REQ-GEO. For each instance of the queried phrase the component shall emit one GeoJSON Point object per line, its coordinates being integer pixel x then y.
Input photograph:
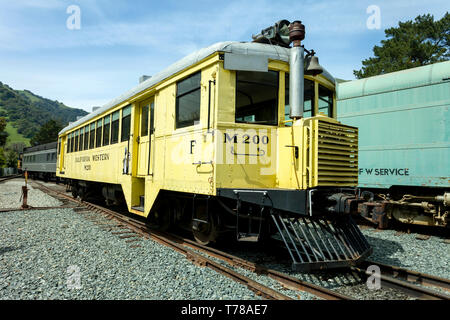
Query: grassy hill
{"type": "Point", "coordinates": [26, 112]}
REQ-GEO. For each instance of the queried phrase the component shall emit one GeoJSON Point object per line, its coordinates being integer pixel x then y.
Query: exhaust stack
{"type": "Point", "coordinates": [296, 78]}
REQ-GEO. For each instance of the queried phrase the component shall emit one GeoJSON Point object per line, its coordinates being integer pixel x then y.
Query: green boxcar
{"type": "Point", "coordinates": [403, 121]}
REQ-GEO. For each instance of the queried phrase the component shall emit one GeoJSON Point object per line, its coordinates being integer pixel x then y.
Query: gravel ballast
{"type": "Point", "coordinates": [61, 254]}
{"type": "Point", "coordinates": [58, 254]}
{"type": "Point", "coordinates": [404, 250]}
{"type": "Point", "coordinates": [11, 192]}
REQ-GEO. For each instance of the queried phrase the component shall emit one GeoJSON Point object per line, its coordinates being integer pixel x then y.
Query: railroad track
{"type": "Point", "coordinates": [407, 281]}
{"type": "Point", "coordinates": [3, 179]}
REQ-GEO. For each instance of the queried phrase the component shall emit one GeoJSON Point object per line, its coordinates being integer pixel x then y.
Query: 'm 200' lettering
{"type": "Point", "coordinates": [246, 139]}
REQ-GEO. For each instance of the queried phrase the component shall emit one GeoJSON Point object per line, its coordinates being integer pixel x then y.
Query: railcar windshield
{"type": "Point", "coordinates": [257, 97]}
{"type": "Point", "coordinates": [326, 101]}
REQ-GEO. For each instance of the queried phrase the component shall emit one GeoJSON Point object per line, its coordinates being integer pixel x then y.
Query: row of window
{"type": "Point", "coordinates": [40, 158]}
{"type": "Point", "coordinates": [101, 133]}
{"type": "Point", "coordinates": [256, 99]}
{"type": "Point", "coordinates": [256, 103]}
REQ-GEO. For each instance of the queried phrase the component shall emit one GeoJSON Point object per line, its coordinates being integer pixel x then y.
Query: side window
{"type": "Point", "coordinates": [71, 141]}
{"type": "Point", "coordinates": [144, 121]}
{"type": "Point", "coordinates": [257, 97]}
{"type": "Point", "coordinates": [86, 137]}
{"type": "Point", "coordinates": [68, 142]}
{"type": "Point", "coordinates": [308, 109]}
{"type": "Point", "coordinates": [76, 141]}
{"type": "Point", "coordinates": [126, 124]}
{"type": "Point", "coordinates": [106, 127]}
{"type": "Point", "coordinates": [59, 146]}
{"type": "Point", "coordinates": [92, 136]}
{"type": "Point", "coordinates": [98, 134]}
{"type": "Point", "coordinates": [115, 127]}
{"type": "Point", "coordinates": [81, 143]}
{"type": "Point", "coordinates": [326, 101]}
{"type": "Point", "coordinates": [187, 111]}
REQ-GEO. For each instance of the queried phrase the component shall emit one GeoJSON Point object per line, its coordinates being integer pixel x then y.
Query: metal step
{"type": "Point", "coordinates": [141, 206]}
{"type": "Point", "coordinates": [315, 243]}
{"type": "Point", "coordinates": [248, 237]}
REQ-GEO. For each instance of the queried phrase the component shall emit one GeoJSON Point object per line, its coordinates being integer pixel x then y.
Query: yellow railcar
{"type": "Point", "coordinates": [214, 143]}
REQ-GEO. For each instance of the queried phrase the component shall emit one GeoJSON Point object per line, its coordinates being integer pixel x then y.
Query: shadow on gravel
{"type": "Point", "coordinates": [4, 250]}
{"type": "Point", "coordinates": [385, 249]}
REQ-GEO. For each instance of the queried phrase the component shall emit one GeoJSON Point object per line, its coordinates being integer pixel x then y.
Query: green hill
{"type": "Point", "coordinates": [26, 112]}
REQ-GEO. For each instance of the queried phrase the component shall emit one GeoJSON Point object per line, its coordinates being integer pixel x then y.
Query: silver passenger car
{"type": "Point", "coordinates": [40, 161]}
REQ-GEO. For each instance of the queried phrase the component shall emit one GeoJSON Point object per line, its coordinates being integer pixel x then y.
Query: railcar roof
{"type": "Point", "coordinates": [246, 48]}
{"type": "Point", "coordinates": [410, 78]}
{"type": "Point", "coordinates": [47, 146]}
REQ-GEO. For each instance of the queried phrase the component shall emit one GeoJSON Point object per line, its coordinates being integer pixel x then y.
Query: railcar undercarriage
{"type": "Point", "coordinates": [318, 241]}
{"type": "Point", "coordinates": [406, 205]}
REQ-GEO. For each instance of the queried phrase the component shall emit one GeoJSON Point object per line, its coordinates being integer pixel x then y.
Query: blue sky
{"type": "Point", "coordinates": [121, 40]}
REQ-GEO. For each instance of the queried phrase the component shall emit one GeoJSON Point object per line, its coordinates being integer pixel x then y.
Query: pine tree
{"type": "Point", "coordinates": [411, 44]}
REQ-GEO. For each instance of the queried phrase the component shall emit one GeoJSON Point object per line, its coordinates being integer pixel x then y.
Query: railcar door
{"type": "Point", "coordinates": [61, 154]}
{"type": "Point", "coordinates": [146, 126]}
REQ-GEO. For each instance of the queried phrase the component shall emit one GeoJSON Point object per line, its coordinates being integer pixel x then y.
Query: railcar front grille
{"type": "Point", "coordinates": [337, 155]}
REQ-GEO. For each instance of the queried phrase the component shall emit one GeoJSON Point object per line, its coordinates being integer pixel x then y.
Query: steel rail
{"type": "Point", "coordinates": [405, 286]}
{"type": "Point", "coordinates": [284, 279]}
{"type": "Point", "coordinates": [6, 178]}
{"type": "Point", "coordinates": [411, 276]}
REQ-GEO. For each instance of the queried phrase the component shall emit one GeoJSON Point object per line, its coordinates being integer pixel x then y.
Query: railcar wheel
{"type": "Point", "coordinates": [74, 192]}
{"type": "Point", "coordinates": [160, 217]}
{"type": "Point", "coordinates": [204, 233]}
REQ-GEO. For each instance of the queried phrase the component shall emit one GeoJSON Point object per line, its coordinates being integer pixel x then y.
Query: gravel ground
{"type": "Point", "coordinates": [42, 251]}
{"type": "Point", "coordinates": [403, 250]}
{"type": "Point", "coordinates": [58, 254]}
{"type": "Point", "coordinates": [11, 191]}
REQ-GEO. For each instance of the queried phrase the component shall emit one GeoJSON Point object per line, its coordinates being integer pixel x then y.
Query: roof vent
{"type": "Point", "coordinates": [143, 78]}
{"type": "Point", "coordinates": [95, 109]}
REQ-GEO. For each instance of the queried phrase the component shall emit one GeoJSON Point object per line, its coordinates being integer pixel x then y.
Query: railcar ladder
{"type": "Point", "coordinates": [315, 243]}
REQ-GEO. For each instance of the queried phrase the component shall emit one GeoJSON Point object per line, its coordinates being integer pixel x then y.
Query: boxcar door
{"type": "Point", "coordinates": [144, 138]}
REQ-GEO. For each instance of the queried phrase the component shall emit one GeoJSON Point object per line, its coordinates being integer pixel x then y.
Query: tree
{"type": "Point", "coordinates": [11, 159]}
{"type": "Point", "coordinates": [48, 133]}
{"type": "Point", "coordinates": [411, 44]}
{"type": "Point", "coordinates": [2, 159]}
{"type": "Point", "coordinates": [3, 133]}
